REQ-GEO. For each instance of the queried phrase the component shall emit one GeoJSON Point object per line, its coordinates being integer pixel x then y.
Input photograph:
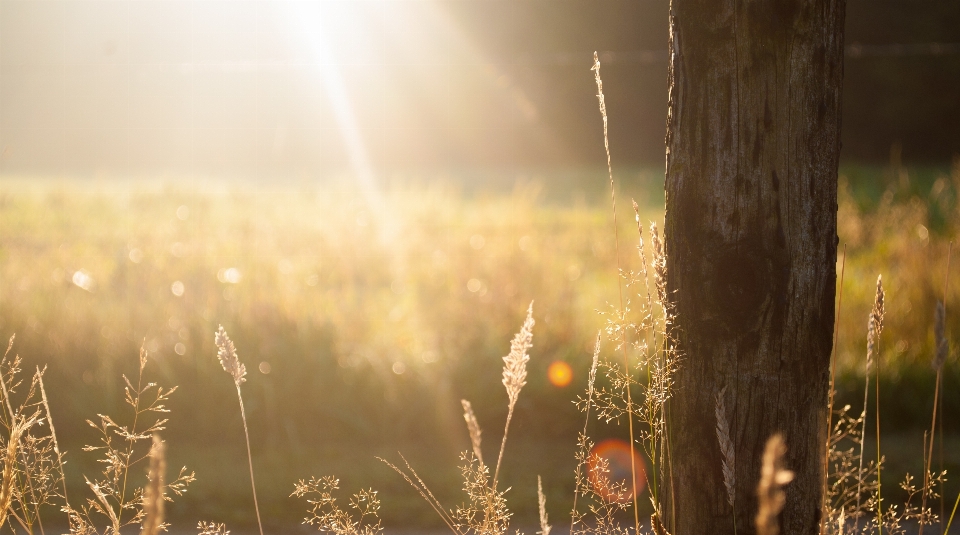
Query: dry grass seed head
{"type": "Point", "coordinates": [773, 476]}
{"type": "Point", "coordinates": [592, 376]}
{"type": "Point", "coordinates": [227, 354]}
{"type": "Point", "coordinates": [515, 364]}
{"type": "Point", "coordinates": [473, 427]}
{"type": "Point", "coordinates": [878, 309]}
{"type": "Point", "coordinates": [726, 448]}
{"type": "Point", "coordinates": [542, 503]}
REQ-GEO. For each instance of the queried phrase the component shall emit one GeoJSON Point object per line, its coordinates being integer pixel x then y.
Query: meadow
{"type": "Point", "coordinates": [364, 315]}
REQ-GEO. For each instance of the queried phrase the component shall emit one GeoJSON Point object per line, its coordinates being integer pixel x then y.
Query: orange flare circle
{"type": "Point", "coordinates": [613, 482]}
{"type": "Point", "coordinates": [559, 373]}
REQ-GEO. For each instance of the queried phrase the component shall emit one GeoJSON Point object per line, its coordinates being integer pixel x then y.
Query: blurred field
{"type": "Point", "coordinates": [365, 315]}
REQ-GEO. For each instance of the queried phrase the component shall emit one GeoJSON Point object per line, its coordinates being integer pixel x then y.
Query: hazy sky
{"type": "Point", "coordinates": [302, 88]}
{"type": "Point", "coordinates": [263, 86]}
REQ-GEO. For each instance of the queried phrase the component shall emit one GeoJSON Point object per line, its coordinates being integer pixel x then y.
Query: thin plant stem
{"type": "Point", "coordinates": [503, 444]}
{"type": "Point", "coordinates": [53, 434]}
{"type": "Point", "coordinates": [586, 422]}
{"type": "Point", "coordinates": [879, 495]}
{"type": "Point", "coordinates": [863, 434]}
{"type": "Point", "coordinates": [946, 283]}
{"type": "Point", "coordinates": [928, 456]}
{"type": "Point", "coordinates": [623, 336]}
{"type": "Point", "coordinates": [833, 382]}
{"type": "Point", "coordinates": [952, 514]}
{"type": "Point", "coordinates": [941, 461]}
{"type": "Point", "coordinates": [253, 485]}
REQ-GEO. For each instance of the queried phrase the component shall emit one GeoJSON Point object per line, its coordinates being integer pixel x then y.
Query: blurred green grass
{"type": "Point", "coordinates": [363, 317]}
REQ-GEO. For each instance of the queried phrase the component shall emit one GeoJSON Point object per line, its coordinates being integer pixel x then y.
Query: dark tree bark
{"type": "Point", "coordinates": [753, 140]}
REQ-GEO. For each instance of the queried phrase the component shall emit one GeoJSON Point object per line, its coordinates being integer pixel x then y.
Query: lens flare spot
{"type": "Point", "coordinates": [559, 373]}
{"type": "Point", "coordinates": [609, 471]}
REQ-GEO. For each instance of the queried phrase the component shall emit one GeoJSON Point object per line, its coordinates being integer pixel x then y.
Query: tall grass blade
{"type": "Point", "coordinates": [616, 230]}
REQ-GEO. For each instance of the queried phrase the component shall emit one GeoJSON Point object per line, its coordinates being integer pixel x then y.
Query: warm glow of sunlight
{"type": "Point", "coordinates": [615, 484]}
{"type": "Point", "coordinates": [559, 373]}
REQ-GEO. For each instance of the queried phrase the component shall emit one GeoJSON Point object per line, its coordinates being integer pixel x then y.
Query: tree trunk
{"type": "Point", "coordinates": [753, 141]}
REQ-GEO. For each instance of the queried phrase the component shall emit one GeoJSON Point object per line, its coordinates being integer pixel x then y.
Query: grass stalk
{"type": "Point", "coordinates": [227, 354]}
{"type": "Point", "coordinates": [53, 434]}
{"type": "Point", "coordinates": [591, 377]}
{"type": "Point", "coordinates": [952, 514]}
{"type": "Point", "coordinates": [623, 341]}
{"type": "Point", "coordinates": [253, 484]}
{"type": "Point", "coordinates": [832, 393]}
{"type": "Point", "coordinates": [878, 319]}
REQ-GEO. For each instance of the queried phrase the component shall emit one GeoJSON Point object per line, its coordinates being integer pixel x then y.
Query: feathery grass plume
{"type": "Point", "coordinates": [153, 495]}
{"type": "Point", "coordinates": [876, 327]}
{"type": "Point", "coordinates": [582, 451]}
{"type": "Point", "coordinates": [592, 375]}
{"type": "Point", "coordinates": [113, 498]}
{"type": "Point", "coordinates": [727, 450]}
{"type": "Point", "coordinates": [211, 528]}
{"type": "Point", "coordinates": [622, 310]}
{"type": "Point", "coordinates": [227, 354]}
{"type": "Point", "coordinates": [878, 309]}
{"type": "Point", "coordinates": [659, 266]}
{"type": "Point", "coordinates": [542, 504]}
{"type": "Point", "coordinates": [770, 495]}
{"type": "Point", "coordinates": [515, 377]}
{"type": "Point", "coordinates": [473, 427]}
{"type": "Point", "coordinates": [327, 516]}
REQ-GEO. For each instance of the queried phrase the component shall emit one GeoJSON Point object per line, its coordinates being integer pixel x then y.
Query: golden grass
{"type": "Point", "coordinates": [456, 271]}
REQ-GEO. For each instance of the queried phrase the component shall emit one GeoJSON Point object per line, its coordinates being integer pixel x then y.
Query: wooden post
{"type": "Point", "coordinates": [753, 144]}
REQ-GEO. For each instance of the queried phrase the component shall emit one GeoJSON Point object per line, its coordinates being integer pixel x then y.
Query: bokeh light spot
{"type": "Point", "coordinates": [559, 373]}
{"type": "Point", "coordinates": [613, 484]}
{"type": "Point", "coordinates": [265, 367]}
{"type": "Point", "coordinates": [230, 275]}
